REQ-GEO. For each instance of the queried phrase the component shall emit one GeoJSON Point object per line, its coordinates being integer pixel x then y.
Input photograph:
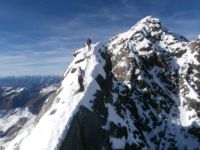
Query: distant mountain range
{"type": "Point", "coordinates": [29, 81]}
{"type": "Point", "coordinates": [21, 98]}
{"type": "Point", "coordinates": [31, 91]}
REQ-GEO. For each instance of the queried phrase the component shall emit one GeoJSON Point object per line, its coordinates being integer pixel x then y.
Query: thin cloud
{"type": "Point", "coordinates": [42, 38]}
{"type": "Point", "coordinates": [184, 24]}
{"type": "Point", "coordinates": [25, 63]}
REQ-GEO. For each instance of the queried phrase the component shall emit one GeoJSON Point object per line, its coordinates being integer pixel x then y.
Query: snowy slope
{"type": "Point", "coordinates": [58, 117]}
{"type": "Point", "coordinates": [55, 121]}
{"type": "Point", "coordinates": [139, 91]}
{"type": "Point", "coordinates": [11, 123]}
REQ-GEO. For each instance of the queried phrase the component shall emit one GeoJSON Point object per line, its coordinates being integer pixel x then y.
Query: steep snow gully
{"type": "Point", "coordinates": [139, 91]}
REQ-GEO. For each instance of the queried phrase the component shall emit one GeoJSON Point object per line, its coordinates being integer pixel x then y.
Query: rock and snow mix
{"type": "Point", "coordinates": [12, 121]}
{"type": "Point", "coordinates": [140, 91]}
{"type": "Point", "coordinates": [164, 60]}
{"type": "Point", "coordinates": [11, 90]}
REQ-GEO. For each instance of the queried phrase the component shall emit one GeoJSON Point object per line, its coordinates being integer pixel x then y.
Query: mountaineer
{"type": "Point", "coordinates": [81, 75]}
{"type": "Point", "coordinates": [88, 43]}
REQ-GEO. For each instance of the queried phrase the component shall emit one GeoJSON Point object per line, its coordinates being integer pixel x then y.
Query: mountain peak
{"type": "Point", "coordinates": [150, 19]}
{"type": "Point", "coordinates": [147, 28]}
{"type": "Point", "coordinates": [149, 24]}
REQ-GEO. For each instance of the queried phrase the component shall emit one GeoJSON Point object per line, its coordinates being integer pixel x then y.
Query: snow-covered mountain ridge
{"type": "Point", "coordinates": [139, 91]}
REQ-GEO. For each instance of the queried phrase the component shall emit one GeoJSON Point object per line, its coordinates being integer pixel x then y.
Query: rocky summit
{"type": "Point", "coordinates": [141, 90]}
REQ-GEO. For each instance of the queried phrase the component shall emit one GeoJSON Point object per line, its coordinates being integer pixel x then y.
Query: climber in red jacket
{"type": "Point", "coordinates": [88, 43]}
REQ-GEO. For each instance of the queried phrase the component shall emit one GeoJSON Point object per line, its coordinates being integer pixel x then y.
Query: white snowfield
{"type": "Point", "coordinates": [18, 117]}
{"type": "Point", "coordinates": [11, 90]}
{"type": "Point", "coordinates": [49, 132]}
{"type": "Point", "coordinates": [12, 117]}
{"type": "Point", "coordinates": [48, 89]}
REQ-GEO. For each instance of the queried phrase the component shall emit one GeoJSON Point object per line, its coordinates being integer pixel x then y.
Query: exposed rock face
{"type": "Point", "coordinates": [85, 132]}
{"type": "Point", "coordinates": [158, 71]}
{"type": "Point", "coordinates": [140, 91]}
{"type": "Point", "coordinates": [159, 80]}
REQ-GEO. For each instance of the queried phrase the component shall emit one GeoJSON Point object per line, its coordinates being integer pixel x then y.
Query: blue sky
{"type": "Point", "coordinates": [38, 37]}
